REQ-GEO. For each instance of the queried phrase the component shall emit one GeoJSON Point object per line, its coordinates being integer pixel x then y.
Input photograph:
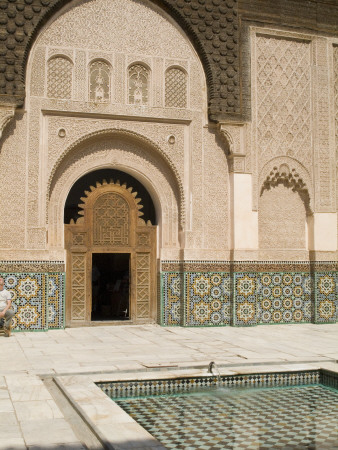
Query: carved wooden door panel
{"type": "Point", "coordinates": [111, 223]}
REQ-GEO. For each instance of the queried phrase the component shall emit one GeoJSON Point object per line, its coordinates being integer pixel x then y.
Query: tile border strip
{"type": "Point", "coordinates": [136, 388]}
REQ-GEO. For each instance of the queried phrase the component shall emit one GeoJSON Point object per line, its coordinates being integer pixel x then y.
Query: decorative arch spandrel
{"type": "Point", "coordinates": [126, 151]}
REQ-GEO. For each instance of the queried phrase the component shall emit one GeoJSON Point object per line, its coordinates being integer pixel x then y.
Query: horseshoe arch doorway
{"type": "Point", "coordinates": [110, 240]}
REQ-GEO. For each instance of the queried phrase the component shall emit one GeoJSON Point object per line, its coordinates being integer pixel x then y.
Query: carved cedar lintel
{"type": "Point", "coordinates": [233, 136]}
{"type": "Point", "coordinates": [6, 114]}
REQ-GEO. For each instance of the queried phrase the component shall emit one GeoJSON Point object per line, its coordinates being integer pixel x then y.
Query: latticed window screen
{"type": "Point", "coordinates": [138, 84]}
{"type": "Point", "coordinates": [99, 82]}
{"type": "Point", "coordinates": [59, 78]}
{"type": "Point", "coordinates": [175, 88]}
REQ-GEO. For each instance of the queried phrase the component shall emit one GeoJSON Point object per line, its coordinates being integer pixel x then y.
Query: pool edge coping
{"type": "Point", "coordinates": [114, 428]}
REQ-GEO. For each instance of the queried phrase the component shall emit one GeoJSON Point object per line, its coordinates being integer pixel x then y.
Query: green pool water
{"type": "Point", "coordinates": [289, 417]}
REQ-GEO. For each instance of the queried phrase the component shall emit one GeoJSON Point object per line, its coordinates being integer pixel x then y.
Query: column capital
{"type": "Point", "coordinates": [233, 136]}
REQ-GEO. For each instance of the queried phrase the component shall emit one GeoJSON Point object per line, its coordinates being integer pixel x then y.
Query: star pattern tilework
{"type": "Point", "coordinates": [245, 298]}
{"type": "Point", "coordinates": [37, 300]}
{"type": "Point", "coordinates": [28, 291]}
{"type": "Point", "coordinates": [207, 299]}
{"type": "Point", "coordinates": [327, 297]}
{"type": "Point", "coordinates": [56, 302]}
{"type": "Point", "coordinates": [171, 300]}
{"type": "Point", "coordinates": [248, 298]}
{"type": "Point", "coordinates": [284, 298]}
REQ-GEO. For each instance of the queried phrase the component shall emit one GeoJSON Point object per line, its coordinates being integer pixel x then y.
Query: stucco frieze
{"type": "Point", "coordinates": [211, 25]}
{"type": "Point", "coordinates": [121, 153]}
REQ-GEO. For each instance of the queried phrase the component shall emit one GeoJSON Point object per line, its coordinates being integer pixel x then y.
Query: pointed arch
{"type": "Point", "coordinates": [133, 137]}
{"type": "Point", "coordinates": [128, 152]}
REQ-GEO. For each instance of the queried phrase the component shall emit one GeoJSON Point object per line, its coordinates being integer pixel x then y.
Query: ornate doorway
{"type": "Point", "coordinates": [111, 223]}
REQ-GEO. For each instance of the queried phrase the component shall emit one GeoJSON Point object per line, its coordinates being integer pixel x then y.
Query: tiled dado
{"type": "Point", "coordinates": [37, 299]}
{"type": "Point", "coordinates": [137, 388]}
{"type": "Point", "coordinates": [244, 298]}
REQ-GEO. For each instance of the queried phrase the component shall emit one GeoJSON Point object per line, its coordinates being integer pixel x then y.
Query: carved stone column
{"type": "Point", "coordinates": [233, 135]}
{"type": "Point", "coordinates": [6, 115]}
{"type": "Point", "coordinates": [244, 221]}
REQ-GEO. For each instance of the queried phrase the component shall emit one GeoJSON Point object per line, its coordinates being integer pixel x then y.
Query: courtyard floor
{"type": "Point", "coordinates": [33, 415]}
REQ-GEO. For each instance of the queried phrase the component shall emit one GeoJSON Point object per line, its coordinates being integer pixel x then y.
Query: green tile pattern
{"type": "Point", "coordinates": [246, 298]}
{"type": "Point", "coordinates": [267, 418]}
{"type": "Point", "coordinates": [38, 300]}
{"type": "Point", "coordinates": [137, 388]}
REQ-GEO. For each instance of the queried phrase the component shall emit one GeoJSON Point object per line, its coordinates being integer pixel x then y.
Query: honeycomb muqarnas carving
{"type": "Point", "coordinates": [212, 26]}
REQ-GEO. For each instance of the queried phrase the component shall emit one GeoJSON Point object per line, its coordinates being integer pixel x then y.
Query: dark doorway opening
{"type": "Point", "coordinates": [83, 184]}
{"type": "Point", "coordinates": [110, 286]}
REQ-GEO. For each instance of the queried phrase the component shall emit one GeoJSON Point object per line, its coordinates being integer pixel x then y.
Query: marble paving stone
{"type": "Point", "coordinates": [34, 410]}
{"type": "Point", "coordinates": [47, 432]}
{"type": "Point", "coordinates": [4, 393]}
{"type": "Point", "coordinates": [10, 432]}
{"type": "Point", "coordinates": [68, 446]}
{"type": "Point", "coordinates": [15, 443]}
{"type": "Point", "coordinates": [6, 405]}
{"type": "Point", "coordinates": [7, 418]}
{"type": "Point", "coordinates": [29, 393]}
{"type": "Point", "coordinates": [14, 382]}
{"type": "Point", "coordinates": [133, 348]}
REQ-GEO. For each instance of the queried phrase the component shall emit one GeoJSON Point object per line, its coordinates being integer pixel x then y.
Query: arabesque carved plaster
{"type": "Point", "coordinates": [124, 155]}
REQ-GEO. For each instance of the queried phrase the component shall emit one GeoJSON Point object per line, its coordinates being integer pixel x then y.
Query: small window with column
{"type": "Point", "coordinates": [99, 81]}
{"type": "Point", "coordinates": [138, 84]}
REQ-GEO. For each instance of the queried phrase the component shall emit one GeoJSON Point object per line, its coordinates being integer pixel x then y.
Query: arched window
{"type": "Point", "coordinates": [99, 82]}
{"type": "Point", "coordinates": [138, 84]}
{"type": "Point", "coordinates": [175, 88]}
{"type": "Point", "coordinates": [59, 78]}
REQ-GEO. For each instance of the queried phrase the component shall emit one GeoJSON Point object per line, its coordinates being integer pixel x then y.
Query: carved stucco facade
{"type": "Point", "coordinates": [256, 182]}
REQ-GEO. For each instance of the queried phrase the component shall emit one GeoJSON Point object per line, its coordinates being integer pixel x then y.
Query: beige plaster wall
{"type": "Point", "coordinates": [281, 219]}
{"type": "Point", "coordinates": [210, 193]}
{"type": "Point", "coordinates": [13, 186]}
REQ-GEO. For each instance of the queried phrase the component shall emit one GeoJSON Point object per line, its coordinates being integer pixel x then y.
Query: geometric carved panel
{"type": "Point", "coordinates": [78, 267]}
{"type": "Point", "coordinates": [59, 78]}
{"type": "Point", "coordinates": [111, 220]}
{"type": "Point", "coordinates": [175, 88]}
{"type": "Point", "coordinates": [78, 238]}
{"type": "Point", "coordinates": [283, 91]}
{"type": "Point", "coordinates": [281, 219]}
{"type": "Point", "coordinates": [143, 284]}
{"type": "Point", "coordinates": [143, 239]}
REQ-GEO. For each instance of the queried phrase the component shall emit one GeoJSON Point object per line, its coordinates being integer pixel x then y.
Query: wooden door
{"type": "Point", "coordinates": [111, 222]}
